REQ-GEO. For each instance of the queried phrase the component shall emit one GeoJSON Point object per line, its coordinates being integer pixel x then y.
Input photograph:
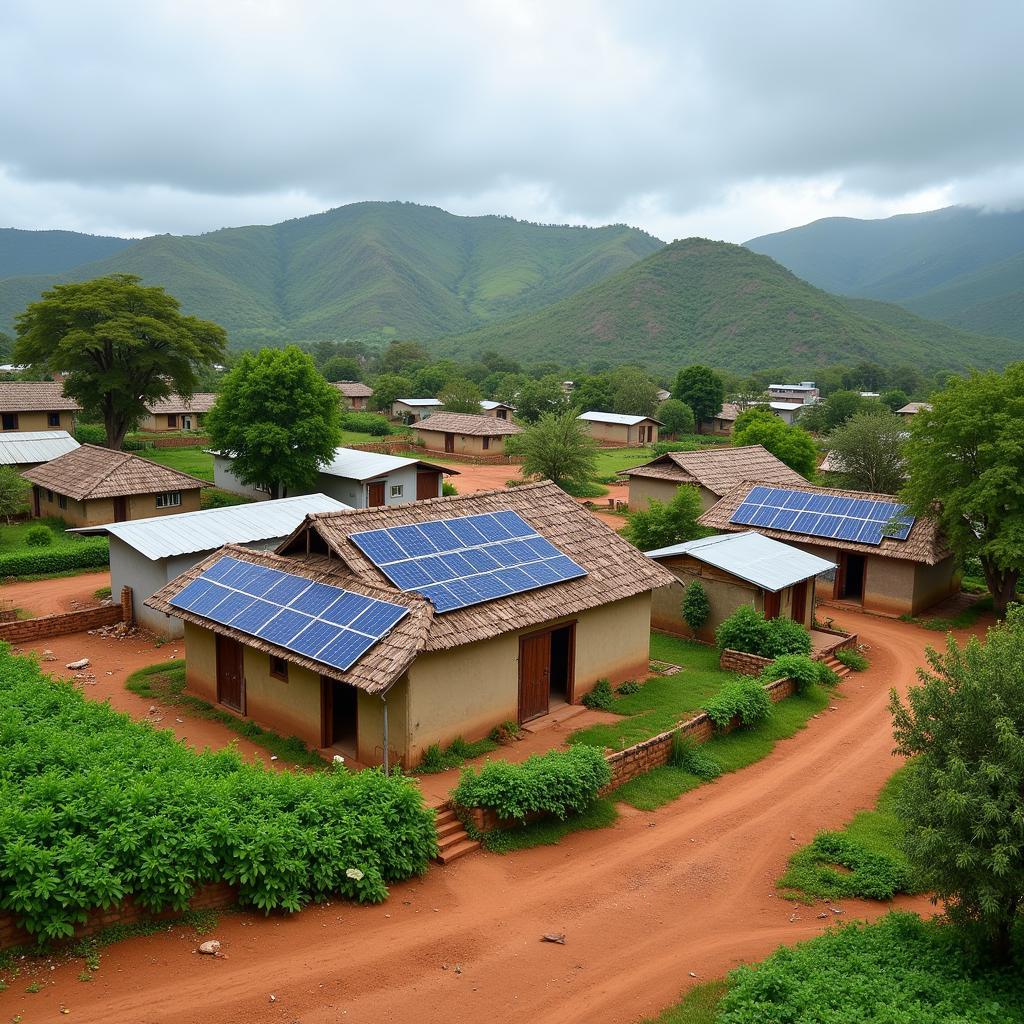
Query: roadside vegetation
{"type": "Point", "coordinates": [41, 548]}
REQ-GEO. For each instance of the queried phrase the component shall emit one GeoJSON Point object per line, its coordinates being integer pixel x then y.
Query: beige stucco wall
{"type": "Point", "coordinates": [465, 444]}
{"type": "Point", "coordinates": [934, 583]}
{"type": "Point", "coordinates": [96, 511]}
{"type": "Point", "coordinates": [41, 421]}
{"type": "Point", "coordinates": [725, 597]}
{"type": "Point", "coordinates": [643, 489]}
{"type": "Point", "coordinates": [201, 662]}
{"type": "Point", "coordinates": [618, 433]}
{"type": "Point", "coordinates": [155, 424]}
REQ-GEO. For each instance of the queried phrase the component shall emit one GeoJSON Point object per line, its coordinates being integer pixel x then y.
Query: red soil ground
{"type": "Point", "coordinates": [48, 597]}
{"type": "Point", "coordinates": [687, 888]}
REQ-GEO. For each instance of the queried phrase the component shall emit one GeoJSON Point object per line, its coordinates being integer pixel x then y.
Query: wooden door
{"type": "Point", "coordinates": [375, 494]}
{"type": "Point", "coordinates": [120, 510]}
{"type": "Point", "coordinates": [230, 674]}
{"type": "Point", "coordinates": [35, 501]}
{"type": "Point", "coordinates": [772, 604]}
{"type": "Point", "coordinates": [426, 485]}
{"type": "Point", "coordinates": [534, 675]}
{"type": "Point", "coordinates": [798, 603]}
{"type": "Point", "coordinates": [449, 442]}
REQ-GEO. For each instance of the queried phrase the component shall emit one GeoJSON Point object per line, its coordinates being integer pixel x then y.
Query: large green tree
{"type": "Point", "coordinates": [461, 395]}
{"type": "Point", "coordinates": [867, 451]}
{"type": "Point", "coordinates": [342, 368]}
{"type": "Point", "coordinates": [538, 397]}
{"type": "Point", "coordinates": [123, 346]}
{"type": "Point", "coordinates": [387, 387]}
{"type": "Point", "coordinates": [634, 392]}
{"type": "Point", "coordinates": [701, 389]}
{"type": "Point", "coordinates": [279, 418]}
{"type": "Point", "coordinates": [965, 462]}
{"type": "Point", "coordinates": [963, 802]}
{"type": "Point", "coordinates": [676, 417]}
{"type": "Point", "coordinates": [664, 523]}
{"type": "Point", "coordinates": [791, 445]}
{"type": "Point", "coordinates": [557, 447]}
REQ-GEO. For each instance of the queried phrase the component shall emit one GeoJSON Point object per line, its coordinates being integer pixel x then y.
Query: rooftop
{"type": "Point", "coordinates": [470, 424]}
{"type": "Point", "coordinates": [353, 388]}
{"type": "Point", "coordinates": [353, 464]}
{"type": "Point", "coordinates": [488, 404]}
{"type": "Point", "coordinates": [17, 449]}
{"type": "Point", "coordinates": [911, 408]}
{"type": "Point", "coordinates": [750, 556]}
{"type": "Point", "coordinates": [617, 418]}
{"type": "Point", "coordinates": [421, 403]}
{"type": "Point", "coordinates": [35, 396]}
{"type": "Point", "coordinates": [199, 403]}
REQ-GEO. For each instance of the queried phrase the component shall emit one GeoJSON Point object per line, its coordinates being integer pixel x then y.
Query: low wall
{"type": "Point", "coordinates": [189, 441]}
{"type": "Point", "coordinates": [215, 896]}
{"type": "Point", "coordinates": [745, 664]}
{"type": "Point", "coordinates": [26, 630]}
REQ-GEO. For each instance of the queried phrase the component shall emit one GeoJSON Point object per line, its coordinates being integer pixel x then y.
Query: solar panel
{"type": "Point", "coordinates": [836, 517]}
{"type": "Point", "coordinates": [328, 624]}
{"type": "Point", "coordinates": [460, 562]}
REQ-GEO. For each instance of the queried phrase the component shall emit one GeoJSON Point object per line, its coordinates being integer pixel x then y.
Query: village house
{"type": "Point", "coordinates": [886, 561]}
{"type": "Point", "coordinates": [412, 410]}
{"type": "Point", "coordinates": [664, 394]}
{"type": "Point", "coordinates": [92, 485]}
{"type": "Point", "coordinates": [713, 471]}
{"type": "Point", "coordinates": [911, 409]}
{"type": "Point", "coordinates": [34, 405]}
{"type": "Point", "coordinates": [330, 640]}
{"type": "Point", "coordinates": [804, 393]}
{"type": "Point", "coordinates": [723, 421]}
{"type": "Point", "coordinates": [355, 478]}
{"type": "Point", "coordinates": [177, 413]}
{"type": "Point", "coordinates": [354, 395]}
{"type": "Point", "coordinates": [612, 429]}
{"type": "Point", "coordinates": [25, 449]}
{"type": "Point", "coordinates": [499, 410]}
{"type": "Point", "coordinates": [737, 569]}
{"type": "Point", "coordinates": [146, 554]}
{"type": "Point", "coordinates": [459, 433]}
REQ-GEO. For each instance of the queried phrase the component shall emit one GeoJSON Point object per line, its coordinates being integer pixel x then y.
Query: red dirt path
{"type": "Point", "coordinates": [687, 888]}
{"type": "Point", "coordinates": [48, 597]}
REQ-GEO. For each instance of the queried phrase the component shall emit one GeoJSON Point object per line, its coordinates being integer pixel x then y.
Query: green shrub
{"type": "Point", "coordinates": [868, 875]}
{"type": "Point", "coordinates": [784, 636]}
{"type": "Point", "coordinates": [803, 670]}
{"type": "Point", "coordinates": [91, 433]}
{"type": "Point", "coordinates": [437, 760]}
{"type": "Point", "coordinates": [628, 687]}
{"type": "Point", "coordinates": [89, 553]}
{"type": "Point", "coordinates": [448, 490]}
{"type": "Point", "coordinates": [95, 807]}
{"type": "Point", "coordinates": [365, 423]}
{"type": "Point", "coordinates": [505, 733]}
{"type": "Point", "coordinates": [745, 699]}
{"type": "Point", "coordinates": [851, 658]}
{"type": "Point", "coordinates": [561, 782]}
{"type": "Point", "coordinates": [600, 697]}
{"type": "Point", "coordinates": [693, 758]}
{"type": "Point", "coordinates": [696, 606]}
{"type": "Point", "coordinates": [39, 536]}
{"type": "Point", "coordinates": [747, 630]}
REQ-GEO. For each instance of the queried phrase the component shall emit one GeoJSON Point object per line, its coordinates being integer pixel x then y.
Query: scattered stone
{"type": "Point", "coordinates": [273, 757]}
{"type": "Point", "coordinates": [822, 916]}
{"type": "Point", "coordinates": [458, 969]}
{"type": "Point", "coordinates": [794, 917]}
{"type": "Point", "coordinates": [558, 937]}
{"type": "Point", "coordinates": [836, 910]}
{"type": "Point", "coordinates": [211, 947]}
{"type": "Point", "coordinates": [81, 663]}
{"type": "Point", "coordinates": [693, 974]}
{"type": "Point", "coordinates": [444, 967]}
{"type": "Point", "coordinates": [792, 835]}
{"type": "Point", "coordinates": [273, 998]}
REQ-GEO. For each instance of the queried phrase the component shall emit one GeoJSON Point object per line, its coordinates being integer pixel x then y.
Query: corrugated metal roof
{"type": "Point", "coordinates": [417, 402]}
{"type": "Point", "coordinates": [189, 532]}
{"type": "Point", "coordinates": [615, 417]}
{"type": "Point", "coordinates": [17, 449]}
{"type": "Point", "coordinates": [766, 563]}
{"type": "Point", "coordinates": [356, 465]}
{"type": "Point", "coordinates": [489, 405]}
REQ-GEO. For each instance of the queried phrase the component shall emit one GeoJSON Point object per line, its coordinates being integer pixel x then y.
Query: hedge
{"type": "Point", "coordinates": [88, 553]}
{"type": "Point", "coordinates": [95, 807]}
{"type": "Point", "coordinates": [561, 782]}
{"type": "Point", "coordinates": [747, 630]}
{"type": "Point", "coordinates": [745, 699]}
{"type": "Point", "coordinates": [803, 670]}
{"type": "Point", "coordinates": [366, 423]}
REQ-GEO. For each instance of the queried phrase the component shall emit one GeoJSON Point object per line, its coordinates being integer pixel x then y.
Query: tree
{"type": "Point", "coordinates": [427, 381]}
{"type": "Point", "coordinates": [403, 357]}
{"type": "Point", "coordinates": [387, 387]}
{"type": "Point", "coordinates": [279, 418]}
{"type": "Point", "coordinates": [14, 491]}
{"type": "Point", "coordinates": [538, 397]}
{"type": "Point", "coordinates": [790, 445]}
{"type": "Point", "coordinates": [894, 399]}
{"type": "Point", "coordinates": [676, 417]}
{"type": "Point", "coordinates": [867, 451]}
{"type": "Point", "coordinates": [664, 523]}
{"type": "Point", "coordinates": [702, 390]}
{"type": "Point", "coordinates": [558, 448]}
{"type": "Point", "coordinates": [962, 804]}
{"type": "Point", "coordinates": [594, 393]}
{"type": "Point", "coordinates": [839, 407]}
{"type": "Point", "coordinates": [461, 395]}
{"type": "Point", "coordinates": [634, 393]}
{"type": "Point", "coordinates": [965, 467]}
{"type": "Point", "coordinates": [342, 368]}
{"type": "Point", "coordinates": [122, 345]}
{"type": "Point", "coordinates": [696, 606]}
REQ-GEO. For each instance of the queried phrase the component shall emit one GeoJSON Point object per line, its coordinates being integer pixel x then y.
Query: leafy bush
{"type": "Point", "coordinates": [95, 807]}
{"type": "Point", "coordinates": [505, 733]}
{"type": "Point", "coordinates": [600, 697]}
{"type": "Point", "coordinates": [851, 658]}
{"type": "Point", "coordinates": [365, 423]}
{"type": "Point", "coordinates": [868, 875]}
{"type": "Point", "coordinates": [90, 553]}
{"type": "Point", "coordinates": [696, 606]}
{"type": "Point", "coordinates": [437, 760]}
{"type": "Point", "coordinates": [747, 630]}
{"type": "Point", "coordinates": [784, 636]}
{"type": "Point", "coordinates": [448, 490]}
{"type": "Point", "coordinates": [561, 782]}
{"type": "Point", "coordinates": [628, 687]}
{"type": "Point", "coordinates": [693, 758]}
{"type": "Point", "coordinates": [91, 433]}
{"type": "Point", "coordinates": [39, 536]}
{"type": "Point", "coordinates": [745, 699]}
{"type": "Point", "coordinates": [804, 671]}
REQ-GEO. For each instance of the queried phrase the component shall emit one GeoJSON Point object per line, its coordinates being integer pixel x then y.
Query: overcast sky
{"type": "Point", "coordinates": [725, 119]}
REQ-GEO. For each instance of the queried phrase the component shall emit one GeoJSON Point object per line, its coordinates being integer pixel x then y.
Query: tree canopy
{"type": "Point", "coordinates": [866, 452]}
{"type": "Point", "coordinates": [633, 392]}
{"type": "Point", "coordinates": [387, 387]}
{"type": "Point", "coordinates": [701, 389]}
{"type": "Point", "coordinates": [676, 417]}
{"type": "Point", "coordinates": [461, 395]}
{"type": "Point", "coordinates": [342, 368]}
{"type": "Point", "coordinates": [557, 447]}
{"type": "Point", "coordinates": [664, 523]}
{"type": "Point", "coordinates": [123, 346]}
{"type": "Point", "coordinates": [279, 418]}
{"type": "Point", "coordinates": [791, 445]}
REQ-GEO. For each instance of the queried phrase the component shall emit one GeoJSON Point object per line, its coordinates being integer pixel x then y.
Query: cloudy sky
{"type": "Point", "coordinates": [723, 119]}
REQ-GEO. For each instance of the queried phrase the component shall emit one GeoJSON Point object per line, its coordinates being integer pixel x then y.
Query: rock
{"type": "Point", "coordinates": [211, 947]}
{"type": "Point", "coordinates": [693, 974]}
{"type": "Point", "coordinates": [458, 969]}
{"type": "Point", "coordinates": [558, 937]}
{"type": "Point", "coordinates": [273, 998]}
{"type": "Point", "coordinates": [822, 915]}
{"type": "Point", "coordinates": [81, 663]}
{"type": "Point", "coordinates": [273, 757]}
{"type": "Point", "coordinates": [836, 910]}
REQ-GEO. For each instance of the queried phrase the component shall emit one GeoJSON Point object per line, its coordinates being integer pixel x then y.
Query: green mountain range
{"type": "Point", "coordinates": [729, 307]}
{"type": "Point", "coordinates": [368, 270]}
{"type": "Point", "coordinates": [959, 265]}
{"type": "Point", "coordinates": [52, 252]}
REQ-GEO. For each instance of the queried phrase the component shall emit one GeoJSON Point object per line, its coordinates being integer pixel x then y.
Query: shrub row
{"type": "Point", "coordinates": [365, 423]}
{"type": "Point", "coordinates": [803, 670]}
{"type": "Point", "coordinates": [747, 630]}
{"type": "Point", "coordinates": [561, 782]}
{"type": "Point", "coordinates": [745, 699]}
{"type": "Point", "coordinates": [95, 807]}
{"type": "Point", "coordinates": [89, 553]}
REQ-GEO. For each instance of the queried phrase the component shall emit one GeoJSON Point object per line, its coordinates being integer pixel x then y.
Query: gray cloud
{"type": "Point", "coordinates": [719, 119]}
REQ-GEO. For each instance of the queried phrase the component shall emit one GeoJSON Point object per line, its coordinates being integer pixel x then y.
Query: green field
{"type": "Point", "coordinates": [12, 537]}
{"type": "Point", "coordinates": [186, 460]}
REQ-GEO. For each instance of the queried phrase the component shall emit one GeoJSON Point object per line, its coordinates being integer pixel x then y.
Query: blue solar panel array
{"type": "Point", "coordinates": [837, 517]}
{"type": "Point", "coordinates": [325, 623]}
{"type": "Point", "coordinates": [469, 560]}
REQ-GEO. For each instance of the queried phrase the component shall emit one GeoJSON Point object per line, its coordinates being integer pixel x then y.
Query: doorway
{"type": "Point", "coordinates": [798, 602]}
{"type": "Point", "coordinates": [230, 674]}
{"type": "Point", "coordinates": [120, 510]}
{"type": "Point", "coordinates": [375, 494]}
{"type": "Point", "coordinates": [449, 442]}
{"type": "Point", "coordinates": [851, 581]}
{"type": "Point", "coordinates": [339, 715]}
{"type": "Point", "coordinates": [546, 670]}
{"type": "Point", "coordinates": [772, 604]}
{"type": "Point", "coordinates": [426, 485]}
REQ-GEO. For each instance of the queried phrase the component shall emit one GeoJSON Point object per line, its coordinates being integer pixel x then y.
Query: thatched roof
{"type": "Point", "coordinates": [719, 469]}
{"type": "Point", "coordinates": [924, 543]}
{"type": "Point", "coordinates": [94, 472]}
{"type": "Point", "coordinates": [467, 423]}
{"type": "Point", "coordinates": [383, 664]}
{"type": "Point", "coordinates": [35, 396]}
{"type": "Point", "coordinates": [198, 403]}
{"type": "Point", "coordinates": [353, 388]}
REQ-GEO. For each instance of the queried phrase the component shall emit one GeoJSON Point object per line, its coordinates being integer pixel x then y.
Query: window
{"type": "Point", "coordinates": [10, 421]}
{"type": "Point", "coordinates": [397, 490]}
{"type": "Point", "coordinates": [278, 667]}
{"type": "Point", "coordinates": [487, 443]}
{"type": "Point", "coordinates": [172, 420]}
{"type": "Point", "coordinates": [169, 499]}
{"type": "Point", "coordinates": [53, 419]}
{"type": "Point", "coordinates": [49, 495]}
{"type": "Point", "coordinates": [62, 502]}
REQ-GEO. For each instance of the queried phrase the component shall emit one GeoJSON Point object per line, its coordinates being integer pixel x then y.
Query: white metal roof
{"type": "Point", "coordinates": [189, 532]}
{"type": "Point", "coordinates": [615, 417]}
{"type": "Point", "coordinates": [17, 449]}
{"type": "Point", "coordinates": [353, 464]}
{"type": "Point", "coordinates": [418, 402]}
{"type": "Point", "coordinates": [489, 405]}
{"type": "Point", "coordinates": [786, 406]}
{"type": "Point", "coordinates": [766, 563]}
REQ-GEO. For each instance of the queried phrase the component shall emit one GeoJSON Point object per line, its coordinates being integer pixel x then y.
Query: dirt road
{"type": "Point", "coordinates": [686, 888]}
{"type": "Point", "coordinates": [48, 597]}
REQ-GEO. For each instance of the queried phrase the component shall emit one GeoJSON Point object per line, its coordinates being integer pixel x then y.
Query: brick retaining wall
{"type": "Point", "coordinates": [745, 664]}
{"type": "Point", "coordinates": [27, 630]}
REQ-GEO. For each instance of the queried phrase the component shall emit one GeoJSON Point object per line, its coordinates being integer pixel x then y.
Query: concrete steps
{"type": "Point", "coordinates": [837, 666]}
{"type": "Point", "coordinates": [452, 838]}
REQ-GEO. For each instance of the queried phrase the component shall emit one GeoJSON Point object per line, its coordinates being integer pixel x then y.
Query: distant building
{"type": "Point", "coordinates": [788, 412]}
{"type": "Point", "coordinates": [458, 433]}
{"type": "Point", "coordinates": [804, 393]}
{"type": "Point", "coordinates": [26, 449]}
{"type": "Point", "coordinates": [911, 409]}
{"type": "Point", "coordinates": [664, 395]}
{"type": "Point", "coordinates": [499, 410]}
{"type": "Point", "coordinates": [354, 395]}
{"type": "Point", "coordinates": [33, 405]}
{"type": "Point", "coordinates": [412, 410]}
{"type": "Point", "coordinates": [612, 428]}
{"type": "Point", "coordinates": [175, 413]}
{"type": "Point", "coordinates": [723, 421]}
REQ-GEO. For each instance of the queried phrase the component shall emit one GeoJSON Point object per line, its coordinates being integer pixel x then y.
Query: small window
{"type": "Point", "coordinates": [278, 667]}
{"type": "Point", "coordinates": [487, 443]}
{"type": "Point", "coordinates": [397, 490]}
{"type": "Point", "coordinates": [172, 420]}
{"type": "Point", "coordinates": [169, 499]}
{"type": "Point", "coordinates": [62, 502]}
{"type": "Point", "coordinates": [53, 419]}
{"type": "Point", "coordinates": [49, 495]}
{"type": "Point", "coordinates": [10, 421]}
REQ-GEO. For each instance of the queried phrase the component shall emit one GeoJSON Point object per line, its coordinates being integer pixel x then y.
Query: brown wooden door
{"type": "Point", "coordinates": [120, 510]}
{"type": "Point", "coordinates": [798, 604]}
{"type": "Point", "coordinates": [374, 495]}
{"type": "Point", "coordinates": [772, 604]}
{"type": "Point", "coordinates": [449, 442]}
{"type": "Point", "coordinates": [230, 674]}
{"type": "Point", "coordinates": [534, 675]}
{"type": "Point", "coordinates": [35, 501]}
{"type": "Point", "coordinates": [426, 485]}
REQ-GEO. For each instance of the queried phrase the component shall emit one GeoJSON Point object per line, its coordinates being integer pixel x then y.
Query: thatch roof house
{"type": "Point", "coordinates": [354, 394]}
{"type": "Point", "coordinates": [460, 433]}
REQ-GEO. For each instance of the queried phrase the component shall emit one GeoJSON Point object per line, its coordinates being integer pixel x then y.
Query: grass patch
{"type": "Point", "coordinates": [165, 682]}
{"type": "Point", "coordinates": [550, 831]}
{"type": "Point", "coordinates": [12, 538]}
{"type": "Point", "coordinates": [194, 461]}
{"type": "Point", "coordinates": [101, 593]}
{"type": "Point", "coordinates": [730, 752]}
{"type": "Point", "coordinates": [591, 489]}
{"type": "Point", "coordinates": [699, 1005]}
{"type": "Point", "coordinates": [611, 461]}
{"type": "Point", "coordinates": [458, 751]}
{"type": "Point", "coordinates": [962, 620]}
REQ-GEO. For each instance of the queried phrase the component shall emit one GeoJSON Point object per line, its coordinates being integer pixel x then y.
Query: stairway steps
{"type": "Point", "coordinates": [454, 852]}
{"type": "Point", "coordinates": [453, 841]}
{"type": "Point", "coordinates": [448, 828]}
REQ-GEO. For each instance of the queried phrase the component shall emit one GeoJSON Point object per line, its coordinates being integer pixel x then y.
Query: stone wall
{"type": "Point", "coordinates": [745, 664]}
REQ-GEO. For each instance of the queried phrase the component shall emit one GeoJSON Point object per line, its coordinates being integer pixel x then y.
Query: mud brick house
{"type": "Point", "coordinates": [737, 569]}
{"type": "Point", "coordinates": [378, 632]}
{"type": "Point", "coordinates": [36, 405]}
{"type": "Point", "coordinates": [499, 410]}
{"type": "Point", "coordinates": [412, 410]}
{"type": "Point", "coordinates": [354, 395]}
{"type": "Point", "coordinates": [614, 429]}
{"type": "Point", "coordinates": [886, 561]}
{"type": "Point", "coordinates": [92, 485]}
{"type": "Point", "coordinates": [713, 472]}
{"type": "Point", "coordinates": [459, 433]}
{"type": "Point", "coordinates": [25, 449]}
{"type": "Point", "coordinates": [177, 413]}
{"type": "Point", "coordinates": [723, 421]}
